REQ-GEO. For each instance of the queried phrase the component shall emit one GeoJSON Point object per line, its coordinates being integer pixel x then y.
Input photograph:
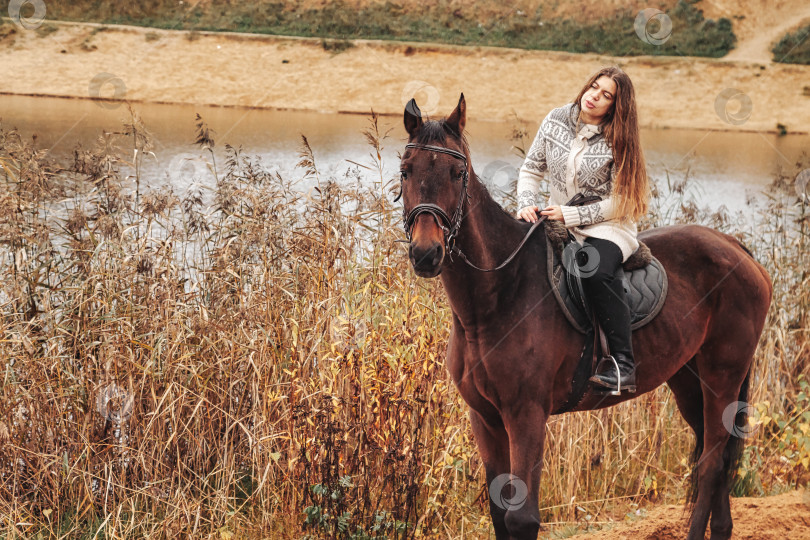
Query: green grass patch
{"type": "Point", "coordinates": [692, 33]}
{"type": "Point", "coordinates": [336, 45]}
{"type": "Point", "coordinates": [47, 29]}
{"type": "Point", "coordinates": [793, 48]}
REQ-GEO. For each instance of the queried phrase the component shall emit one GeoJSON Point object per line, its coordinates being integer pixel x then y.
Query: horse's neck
{"type": "Point", "coordinates": [487, 237]}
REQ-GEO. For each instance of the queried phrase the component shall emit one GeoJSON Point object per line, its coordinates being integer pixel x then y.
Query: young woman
{"type": "Point", "coordinates": [591, 146]}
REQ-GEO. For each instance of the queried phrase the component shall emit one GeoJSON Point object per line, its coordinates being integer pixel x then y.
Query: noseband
{"type": "Point", "coordinates": [449, 225]}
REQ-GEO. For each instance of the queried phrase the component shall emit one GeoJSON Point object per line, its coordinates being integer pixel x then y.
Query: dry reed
{"type": "Point", "coordinates": [257, 362]}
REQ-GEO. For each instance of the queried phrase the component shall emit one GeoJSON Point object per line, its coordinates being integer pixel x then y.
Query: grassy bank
{"type": "Point", "coordinates": [442, 22]}
{"type": "Point", "coordinates": [794, 48]}
{"type": "Point", "coordinates": [245, 360]}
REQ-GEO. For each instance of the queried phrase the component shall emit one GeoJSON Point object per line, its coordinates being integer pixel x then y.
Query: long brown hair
{"type": "Point", "coordinates": [631, 188]}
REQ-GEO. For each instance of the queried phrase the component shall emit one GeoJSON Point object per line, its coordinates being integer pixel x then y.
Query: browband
{"type": "Point", "coordinates": [440, 149]}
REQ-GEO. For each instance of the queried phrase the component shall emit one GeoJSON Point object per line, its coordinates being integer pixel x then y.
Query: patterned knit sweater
{"type": "Point", "coordinates": [577, 162]}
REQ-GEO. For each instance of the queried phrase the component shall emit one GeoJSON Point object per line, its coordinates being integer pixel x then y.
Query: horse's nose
{"type": "Point", "coordinates": [426, 260]}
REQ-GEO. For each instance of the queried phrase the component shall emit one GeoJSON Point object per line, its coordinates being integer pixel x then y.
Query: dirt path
{"type": "Point", "coordinates": [781, 517]}
{"type": "Point", "coordinates": [288, 73]}
{"type": "Point", "coordinates": [764, 24]}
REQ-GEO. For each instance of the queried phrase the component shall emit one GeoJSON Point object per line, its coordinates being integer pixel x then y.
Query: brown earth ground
{"type": "Point", "coordinates": [292, 73]}
{"type": "Point", "coordinates": [780, 517]}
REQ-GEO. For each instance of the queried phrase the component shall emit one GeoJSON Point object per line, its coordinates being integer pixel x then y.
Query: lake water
{"type": "Point", "coordinates": [730, 167]}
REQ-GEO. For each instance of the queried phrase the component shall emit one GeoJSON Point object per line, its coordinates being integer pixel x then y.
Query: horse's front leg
{"type": "Point", "coordinates": [493, 447]}
{"type": "Point", "coordinates": [526, 426]}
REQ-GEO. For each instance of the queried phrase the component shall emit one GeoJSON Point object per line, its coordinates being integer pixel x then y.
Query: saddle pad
{"type": "Point", "coordinates": [646, 290]}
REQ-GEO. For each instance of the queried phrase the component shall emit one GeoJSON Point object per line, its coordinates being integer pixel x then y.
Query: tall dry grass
{"type": "Point", "coordinates": [247, 360]}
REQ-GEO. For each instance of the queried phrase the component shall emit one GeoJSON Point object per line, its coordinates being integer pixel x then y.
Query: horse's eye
{"type": "Point", "coordinates": [404, 174]}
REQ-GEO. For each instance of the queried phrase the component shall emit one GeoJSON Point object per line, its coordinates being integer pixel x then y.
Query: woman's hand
{"type": "Point", "coordinates": [553, 212]}
{"type": "Point", "coordinates": [527, 213]}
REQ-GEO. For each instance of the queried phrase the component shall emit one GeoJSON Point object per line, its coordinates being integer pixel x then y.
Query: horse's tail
{"type": "Point", "coordinates": [694, 459]}
{"type": "Point", "coordinates": [736, 445]}
{"type": "Point", "coordinates": [733, 451]}
{"type": "Point", "coordinates": [745, 248]}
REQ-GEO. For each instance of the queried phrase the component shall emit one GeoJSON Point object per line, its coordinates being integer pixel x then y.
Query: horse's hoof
{"type": "Point", "coordinates": [522, 524]}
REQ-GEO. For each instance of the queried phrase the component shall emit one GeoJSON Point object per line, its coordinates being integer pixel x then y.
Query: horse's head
{"type": "Point", "coordinates": [435, 171]}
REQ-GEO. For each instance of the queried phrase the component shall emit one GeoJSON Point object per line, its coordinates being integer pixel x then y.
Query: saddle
{"type": "Point", "coordinates": [645, 285]}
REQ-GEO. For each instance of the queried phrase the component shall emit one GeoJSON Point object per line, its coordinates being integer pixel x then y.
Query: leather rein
{"type": "Point", "coordinates": [450, 225]}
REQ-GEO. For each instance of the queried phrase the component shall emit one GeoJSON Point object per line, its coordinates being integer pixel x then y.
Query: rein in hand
{"type": "Point", "coordinates": [577, 200]}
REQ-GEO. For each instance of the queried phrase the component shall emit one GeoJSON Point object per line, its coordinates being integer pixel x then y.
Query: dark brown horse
{"type": "Point", "coordinates": [512, 353]}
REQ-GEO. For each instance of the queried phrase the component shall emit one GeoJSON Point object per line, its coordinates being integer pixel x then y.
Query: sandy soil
{"type": "Point", "coordinates": [288, 73]}
{"type": "Point", "coordinates": [780, 517]}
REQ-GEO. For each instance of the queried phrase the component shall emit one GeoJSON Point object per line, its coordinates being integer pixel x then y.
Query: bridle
{"type": "Point", "coordinates": [451, 225]}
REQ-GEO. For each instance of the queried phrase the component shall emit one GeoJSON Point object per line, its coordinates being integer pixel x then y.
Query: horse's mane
{"type": "Point", "coordinates": [436, 131]}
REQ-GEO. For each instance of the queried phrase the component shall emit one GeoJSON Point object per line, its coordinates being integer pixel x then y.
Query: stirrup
{"type": "Point", "coordinates": [602, 387]}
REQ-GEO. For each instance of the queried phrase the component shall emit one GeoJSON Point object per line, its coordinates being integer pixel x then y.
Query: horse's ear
{"type": "Point", "coordinates": [458, 118]}
{"type": "Point", "coordinates": [413, 118]}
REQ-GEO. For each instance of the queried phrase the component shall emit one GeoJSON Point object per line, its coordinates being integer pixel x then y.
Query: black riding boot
{"type": "Point", "coordinates": [609, 301]}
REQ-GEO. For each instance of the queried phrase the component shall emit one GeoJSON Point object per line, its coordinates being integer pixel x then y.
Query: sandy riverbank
{"type": "Point", "coordinates": [755, 518]}
{"type": "Point", "coordinates": [292, 73]}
